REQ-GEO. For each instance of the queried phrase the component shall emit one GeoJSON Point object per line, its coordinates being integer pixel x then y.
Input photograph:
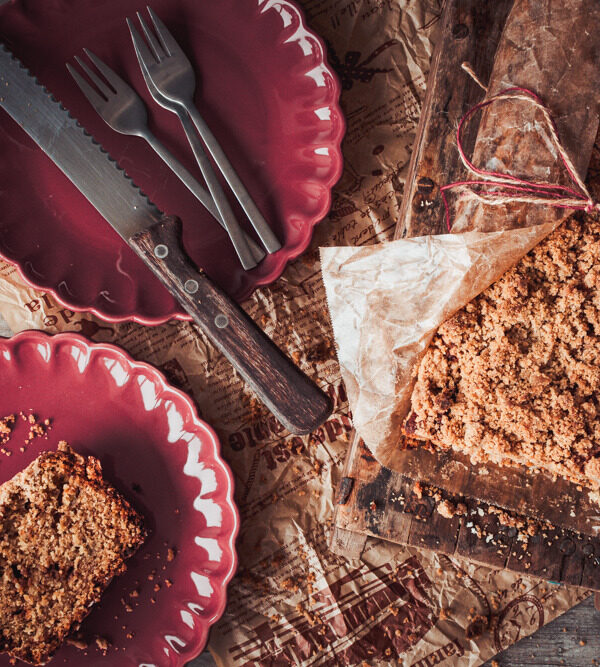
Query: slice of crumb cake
{"type": "Point", "coordinates": [514, 376]}
{"type": "Point", "coordinates": [64, 534]}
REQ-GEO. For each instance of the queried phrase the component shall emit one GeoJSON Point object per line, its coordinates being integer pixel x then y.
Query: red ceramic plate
{"type": "Point", "coordinates": [164, 459]}
{"type": "Point", "coordinates": [264, 88]}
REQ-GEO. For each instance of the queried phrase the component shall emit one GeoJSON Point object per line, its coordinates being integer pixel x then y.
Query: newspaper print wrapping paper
{"type": "Point", "coordinates": [292, 601]}
{"type": "Point", "coordinates": [407, 288]}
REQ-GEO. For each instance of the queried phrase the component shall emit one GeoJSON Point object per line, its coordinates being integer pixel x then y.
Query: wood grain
{"type": "Point", "coordinates": [291, 396]}
{"type": "Point", "coordinates": [571, 640]}
{"type": "Point", "coordinates": [513, 488]}
{"type": "Point", "coordinates": [470, 31]}
{"type": "Point", "coordinates": [382, 503]}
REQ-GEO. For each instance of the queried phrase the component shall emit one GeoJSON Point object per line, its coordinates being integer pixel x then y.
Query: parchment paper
{"type": "Point", "coordinates": [291, 596]}
{"type": "Point", "coordinates": [387, 302]}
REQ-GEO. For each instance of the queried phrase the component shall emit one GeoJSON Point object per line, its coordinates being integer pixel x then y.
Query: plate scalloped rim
{"type": "Point", "coordinates": [283, 257]}
{"type": "Point", "coordinates": [194, 648]}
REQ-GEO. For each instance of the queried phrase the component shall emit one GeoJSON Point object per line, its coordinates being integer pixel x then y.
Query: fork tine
{"type": "Point", "coordinates": [144, 55]}
{"type": "Point", "coordinates": [166, 38]}
{"type": "Point", "coordinates": [111, 76]}
{"type": "Point", "coordinates": [94, 78]}
{"type": "Point", "coordinates": [93, 97]}
{"type": "Point", "coordinates": [157, 49]}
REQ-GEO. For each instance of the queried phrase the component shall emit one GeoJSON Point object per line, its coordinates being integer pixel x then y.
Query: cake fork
{"type": "Point", "coordinates": [170, 72]}
{"type": "Point", "coordinates": [124, 111]}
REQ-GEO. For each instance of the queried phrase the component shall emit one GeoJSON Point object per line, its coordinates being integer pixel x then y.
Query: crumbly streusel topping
{"type": "Point", "coordinates": [514, 376]}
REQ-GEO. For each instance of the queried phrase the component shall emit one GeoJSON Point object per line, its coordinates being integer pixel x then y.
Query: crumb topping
{"type": "Point", "coordinates": [514, 376]}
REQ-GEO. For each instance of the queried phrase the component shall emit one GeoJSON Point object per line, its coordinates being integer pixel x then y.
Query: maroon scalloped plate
{"type": "Point", "coordinates": [166, 462]}
{"type": "Point", "coordinates": [264, 88]}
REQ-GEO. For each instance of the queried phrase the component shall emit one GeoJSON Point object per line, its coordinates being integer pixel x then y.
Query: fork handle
{"type": "Point", "coordinates": [202, 195]}
{"type": "Point", "coordinates": [261, 226]}
{"type": "Point", "coordinates": [206, 167]}
{"type": "Point", "coordinates": [226, 216]}
{"type": "Point", "coordinates": [196, 189]}
{"type": "Point", "coordinates": [290, 395]}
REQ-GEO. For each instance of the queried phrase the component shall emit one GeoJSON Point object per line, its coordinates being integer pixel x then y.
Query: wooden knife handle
{"type": "Point", "coordinates": [290, 395]}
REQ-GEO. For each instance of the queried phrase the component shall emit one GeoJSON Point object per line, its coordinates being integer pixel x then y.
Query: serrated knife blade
{"type": "Point", "coordinates": [74, 151]}
{"type": "Point", "coordinates": [291, 396]}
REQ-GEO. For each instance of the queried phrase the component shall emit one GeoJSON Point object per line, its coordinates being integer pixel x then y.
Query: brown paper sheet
{"type": "Point", "coordinates": [538, 52]}
{"type": "Point", "coordinates": [409, 287]}
{"type": "Point", "coordinates": [293, 602]}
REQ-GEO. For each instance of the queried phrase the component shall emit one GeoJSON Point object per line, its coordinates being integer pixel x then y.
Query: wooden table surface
{"type": "Point", "coordinates": [572, 640]}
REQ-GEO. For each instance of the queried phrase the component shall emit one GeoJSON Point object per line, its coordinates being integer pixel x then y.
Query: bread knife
{"type": "Point", "coordinates": [297, 402]}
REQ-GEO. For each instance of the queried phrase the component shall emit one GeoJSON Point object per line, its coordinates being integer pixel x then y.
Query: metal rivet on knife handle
{"type": "Point", "coordinates": [161, 251]}
{"type": "Point", "coordinates": [221, 321]}
{"type": "Point", "coordinates": [299, 404]}
{"type": "Point", "coordinates": [191, 286]}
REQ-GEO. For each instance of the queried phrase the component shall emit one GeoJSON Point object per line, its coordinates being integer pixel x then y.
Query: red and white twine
{"type": "Point", "coordinates": [496, 189]}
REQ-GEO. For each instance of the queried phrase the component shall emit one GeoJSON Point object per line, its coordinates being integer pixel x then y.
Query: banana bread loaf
{"type": "Point", "coordinates": [64, 534]}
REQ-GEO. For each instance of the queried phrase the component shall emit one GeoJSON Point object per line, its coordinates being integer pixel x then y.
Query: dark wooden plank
{"type": "Point", "coordinates": [571, 640]}
{"type": "Point", "coordinates": [385, 505]}
{"type": "Point", "coordinates": [564, 503]}
{"type": "Point", "coordinates": [551, 551]}
{"type": "Point", "coordinates": [470, 31]}
{"type": "Point", "coordinates": [398, 522]}
{"type": "Point", "coordinates": [475, 541]}
{"type": "Point", "coordinates": [591, 563]}
{"type": "Point", "coordinates": [572, 562]}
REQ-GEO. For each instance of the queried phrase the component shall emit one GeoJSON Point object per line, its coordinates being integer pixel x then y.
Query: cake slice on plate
{"type": "Point", "coordinates": [64, 534]}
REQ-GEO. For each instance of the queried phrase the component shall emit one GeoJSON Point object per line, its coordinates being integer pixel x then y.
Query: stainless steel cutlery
{"type": "Point", "coordinates": [171, 81]}
{"type": "Point", "coordinates": [170, 73]}
{"type": "Point", "coordinates": [292, 397]}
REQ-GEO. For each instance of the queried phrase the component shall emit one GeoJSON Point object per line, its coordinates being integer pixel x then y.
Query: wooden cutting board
{"type": "Point", "coordinates": [378, 502]}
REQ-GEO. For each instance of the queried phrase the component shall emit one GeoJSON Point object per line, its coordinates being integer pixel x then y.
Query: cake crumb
{"type": "Point", "coordinates": [477, 625]}
{"type": "Point", "coordinates": [448, 510]}
{"type": "Point", "coordinates": [7, 424]}
{"type": "Point", "coordinates": [594, 496]}
{"type": "Point", "coordinates": [77, 641]}
{"type": "Point", "coordinates": [102, 643]}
